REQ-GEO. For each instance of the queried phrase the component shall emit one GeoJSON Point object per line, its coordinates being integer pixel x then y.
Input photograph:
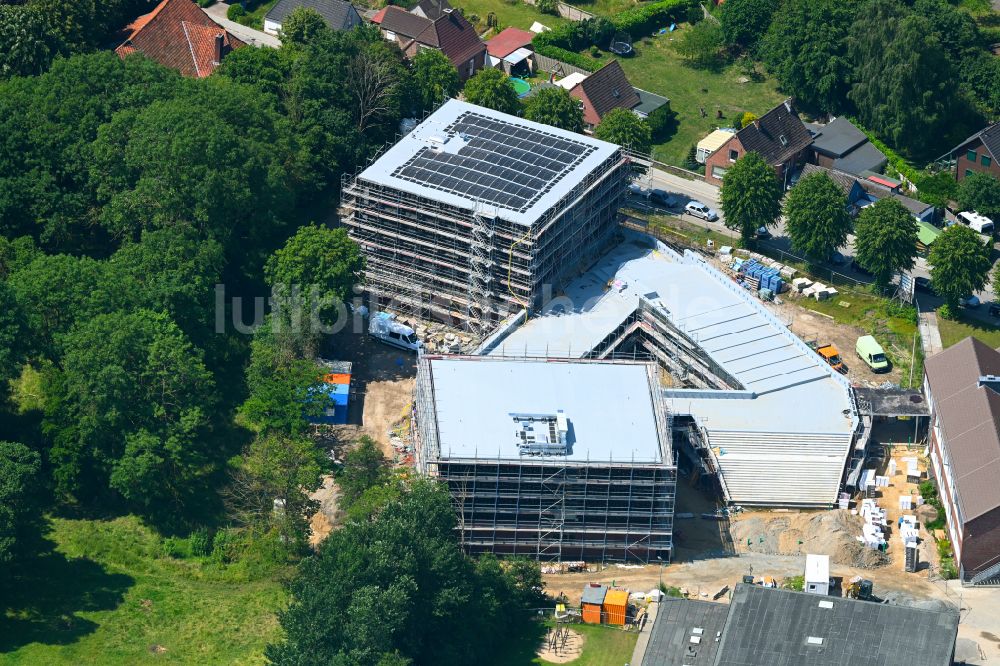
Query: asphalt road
{"type": "Point", "coordinates": [698, 190]}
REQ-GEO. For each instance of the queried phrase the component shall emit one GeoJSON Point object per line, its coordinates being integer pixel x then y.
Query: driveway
{"type": "Point", "coordinates": [240, 31]}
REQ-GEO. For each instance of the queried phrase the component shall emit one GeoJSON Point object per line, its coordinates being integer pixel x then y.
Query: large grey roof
{"type": "Point", "coordinates": [611, 407]}
{"type": "Point", "coordinates": [970, 421]}
{"type": "Point", "coordinates": [771, 627]}
{"type": "Point", "coordinates": [837, 138]}
{"type": "Point", "coordinates": [677, 620]}
{"type": "Point", "coordinates": [338, 14]}
{"type": "Point", "coordinates": [469, 156]}
{"type": "Point", "coordinates": [865, 157]}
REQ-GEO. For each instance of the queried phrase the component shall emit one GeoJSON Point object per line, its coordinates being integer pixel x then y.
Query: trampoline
{"type": "Point", "coordinates": [521, 87]}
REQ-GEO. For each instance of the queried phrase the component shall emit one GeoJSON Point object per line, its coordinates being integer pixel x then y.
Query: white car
{"type": "Point", "coordinates": [698, 209]}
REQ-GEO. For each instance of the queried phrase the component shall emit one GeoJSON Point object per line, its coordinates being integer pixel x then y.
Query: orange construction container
{"type": "Point", "coordinates": [615, 606]}
{"type": "Point", "coordinates": [591, 602]}
{"type": "Point", "coordinates": [338, 378]}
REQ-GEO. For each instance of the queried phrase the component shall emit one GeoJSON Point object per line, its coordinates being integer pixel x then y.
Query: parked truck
{"type": "Point", "coordinates": [832, 356]}
{"type": "Point", "coordinates": [384, 328]}
{"type": "Point", "coordinates": [872, 354]}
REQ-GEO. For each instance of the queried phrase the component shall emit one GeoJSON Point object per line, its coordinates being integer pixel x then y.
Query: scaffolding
{"type": "Point", "coordinates": [552, 508]}
{"type": "Point", "coordinates": [468, 266]}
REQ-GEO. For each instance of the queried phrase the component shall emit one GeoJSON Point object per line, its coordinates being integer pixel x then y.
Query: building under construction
{"type": "Point", "coordinates": [540, 464]}
{"type": "Point", "coordinates": [471, 214]}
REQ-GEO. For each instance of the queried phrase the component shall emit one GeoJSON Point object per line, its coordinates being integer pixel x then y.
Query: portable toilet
{"type": "Point", "coordinates": [615, 606]}
{"type": "Point", "coordinates": [592, 602]}
{"type": "Point", "coordinates": [817, 578]}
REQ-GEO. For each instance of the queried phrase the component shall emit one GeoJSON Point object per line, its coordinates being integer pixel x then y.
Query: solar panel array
{"type": "Point", "coordinates": [501, 163]}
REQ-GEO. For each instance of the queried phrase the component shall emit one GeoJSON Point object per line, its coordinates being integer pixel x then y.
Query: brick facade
{"type": "Point", "coordinates": [964, 165]}
{"type": "Point", "coordinates": [722, 159]}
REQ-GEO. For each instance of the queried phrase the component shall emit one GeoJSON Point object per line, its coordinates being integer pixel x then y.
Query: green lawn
{"type": "Point", "coordinates": [254, 18]}
{"type": "Point", "coordinates": [602, 646]}
{"type": "Point", "coordinates": [509, 15]}
{"type": "Point", "coordinates": [657, 68]}
{"type": "Point", "coordinates": [956, 331]}
{"type": "Point", "coordinates": [108, 594]}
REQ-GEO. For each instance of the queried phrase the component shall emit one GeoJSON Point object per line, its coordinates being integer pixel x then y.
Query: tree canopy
{"type": "Point", "coordinates": [701, 45]}
{"type": "Point", "coordinates": [960, 264]}
{"type": "Point", "coordinates": [365, 467]}
{"type": "Point", "coordinates": [817, 219]}
{"type": "Point", "coordinates": [434, 77]}
{"type": "Point", "coordinates": [751, 196]}
{"type": "Point", "coordinates": [980, 192]}
{"type": "Point", "coordinates": [744, 22]}
{"type": "Point", "coordinates": [397, 589]}
{"type": "Point", "coordinates": [20, 492]}
{"type": "Point", "coordinates": [493, 89]}
{"type": "Point", "coordinates": [556, 107]}
{"type": "Point", "coordinates": [626, 129]}
{"type": "Point", "coordinates": [885, 239]}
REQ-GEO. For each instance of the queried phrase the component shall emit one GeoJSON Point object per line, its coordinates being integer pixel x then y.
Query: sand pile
{"type": "Point", "coordinates": [830, 533]}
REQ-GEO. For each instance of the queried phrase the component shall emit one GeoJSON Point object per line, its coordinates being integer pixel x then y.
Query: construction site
{"type": "Point", "coordinates": [473, 213]}
{"type": "Point", "coordinates": [538, 465]}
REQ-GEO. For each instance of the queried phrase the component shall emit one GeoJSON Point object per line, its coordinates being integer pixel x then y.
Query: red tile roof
{"type": "Point", "coordinates": [604, 90]}
{"type": "Point", "coordinates": [179, 35]}
{"type": "Point", "coordinates": [379, 15]}
{"type": "Point", "coordinates": [508, 41]}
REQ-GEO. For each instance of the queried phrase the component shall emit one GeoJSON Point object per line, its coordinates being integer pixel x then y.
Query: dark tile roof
{"type": "Point", "coordinates": [179, 35]}
{"type": "Point", "coordinates": [846, 182]}
{"type": "Point", "coordinates": [508, 41]}
{"type": "Point", "coordinates": [777, 135]}
{"type": "Point", "coordinates": [404, 23]}
{"type": "Point", "coordinates": [970, 421]}
{"type": "Point", "coordinates": [990, 138]}
{"type": "Point", "coordinates": [604, 90]}
{"type": "Point", "coordinates": [338, 14]}
{"type": "Point", "coordinates": [676, 621]}
{"type": "Point", "coordinates": [771, 627]}
{"type": "Point", "coordinates": [454, 35]}
{"type": "Point", "coordinates": [865, 157]}
{"type": "Point", "coordinates": [837, 138]}
{"type": "Point", "coordinates": [649, 102]}
{"type": "Point", "coordinates": [843, 180]}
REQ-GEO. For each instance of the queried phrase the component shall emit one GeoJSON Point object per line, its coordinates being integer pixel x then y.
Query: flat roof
{"type": "Point", "coordinates": [610, 407]}
{"type": "Point", "coordinates": [475, 158]}
{"type": "Point", "coordinates": [775, 627]}
{"type": "Point", "coordinates": [716, 139]}
{"type": "Point", "coordinates": [732, 327]}
{"type": "Point", "coordinates": [817, 568]}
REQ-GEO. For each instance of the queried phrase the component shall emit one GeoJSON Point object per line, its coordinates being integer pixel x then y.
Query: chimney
{"type": "Point", "coordinates": [756, 123]}
{"type": "Point", "coordinates": [788, 105]}
{"type": "Point", "coordinates": [219, 41]}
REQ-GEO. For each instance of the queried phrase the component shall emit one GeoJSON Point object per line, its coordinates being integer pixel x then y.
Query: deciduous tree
{"type": "Point", "coordinates": [701, 45]}
{"type": "Point", "coordinates": [626, 129]}
{"type": "Point", "coordinates": [20, 492]}
{"type": "Point", "coordinates": [960, 263]}
{"type": "Point", "coordinates": [436, 79]}
{"type": "Point", "coordinates": [493, 89]}
{"type": "Point", "coordinates": [751, 196]}
{"type": "Point", "coordinates": [980, 192]}
{"type": "Point", "coordinates": [556, 107]}
{"type": "Point", "coordinates": [744, 22]}
{"type": "Point", "coordinates": [816, 215]}
{"type": "Point", "coordinates": [364, 467]}
{"type": "Point", "coordinates": [885, 240]}
{"type": "Point", "coordinates": [302, 26]}
{"type": "Point", "coordinates": [28, 43]}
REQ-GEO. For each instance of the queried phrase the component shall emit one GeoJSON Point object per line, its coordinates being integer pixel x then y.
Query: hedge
{"type": "Point", "coordinates": [568, 57]}
{"type": "Point", "coordinates": [598, 31]}
{"type": "Point", "coordinates": [643, 20]}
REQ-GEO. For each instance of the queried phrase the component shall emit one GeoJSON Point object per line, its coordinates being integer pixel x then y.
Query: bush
{"type": "Point", "coordinates": [671, 591]}
{"type": "Point", "coordinates": [595, 52]}
{"type": "Point", "coordinates": [200, 542]}
{"type": "Point", "coordinates": [944, 548]}
{"type": "Point", "coordinates": [226, 545]}
{"type": "Point", "coordinates": [176, 548]}
{"type": "Point", "coordinates": [694, 14]}
{"type": "Point", "coordinates": [796, 583]}
{"type": "Point", "coordinates": [645, 19]}
{"type": "Point", "coordinates": [548, 6]}
{"type": "Point", "coordinates": [568, 57]}
{"type": "Point", "coordinates": [206, 3]}
{"type": "Point", "coordinates": [948, 569]}
{"type": "Point", "coordinates": [235, 12]}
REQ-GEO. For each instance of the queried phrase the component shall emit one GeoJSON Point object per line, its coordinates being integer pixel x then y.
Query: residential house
{"type": "Point", "coordinates": [338, 14]}
{"type": "Point", "coordinates": [863, 191]}
{"type": "Point", "coordinates": [712, 142]}
{"type": "Point", "coordinates": [980, 153]}
{"type": "Point", "coordinates": [511, 50]}
{"type": "Point", "coordinates": [962, 385]}
{"type": "Point", "coordinates": [779, 136]}
{"type": "Point", "coordinates": [765, 626]}
{"type": "Point", "coordinates": [179, 35]}
{"type": "Point", "coordinates": [607, 89]}
{"type": "Point", "coordinates": [431, 9]}
{"type": "Point", "coordinates": [449, 33]}
{"type": "Point", "coordinates": [842, 146]}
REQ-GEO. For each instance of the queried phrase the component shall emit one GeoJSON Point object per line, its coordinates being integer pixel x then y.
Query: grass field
{"type": "Point", "coordinates": [602, 646]}
{"type": "Point", "coordinates": [956, 331]}
{"type": "Point", "coordinates": [657, 68]}
{"type": "Point", "coordinates": [254, 18]}
{"type": "Point", "coordinates": [509, 15]}
{"type": "Point", "coordinates": [108, 594]}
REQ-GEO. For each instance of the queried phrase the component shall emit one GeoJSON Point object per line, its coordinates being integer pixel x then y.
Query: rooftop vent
{"type": "Point", "coordinates": [826, 604]}
{"type": "Point", "coordinates": [814, 640]}
{"type": "Point", "coordinates": [541, 434]}
{"type": "Point", "coordinates": [783, 139]}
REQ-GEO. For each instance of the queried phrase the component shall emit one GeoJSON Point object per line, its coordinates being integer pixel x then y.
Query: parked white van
{"type": "Point", "coordinates": [384, 328]}
{"type": "Point", "coordinates": [976, 222]}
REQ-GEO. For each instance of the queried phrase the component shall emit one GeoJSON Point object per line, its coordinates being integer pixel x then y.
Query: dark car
{"type": "Point", "coordinates": [925, 285]}
{"type": "Point", "coordinates": [662, 198]}
{"type": "Point", "coordinates": [859, 268]}
{"type": "Point", "coordinates": [763, 233]}
{"type": "Point", "coordinates": [995, 309]}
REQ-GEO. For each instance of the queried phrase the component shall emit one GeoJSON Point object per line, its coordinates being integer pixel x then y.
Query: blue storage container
{"type": "Point", "coordinates": [339, 414]}
{"type": "Point", "coordinates": [340, 388]}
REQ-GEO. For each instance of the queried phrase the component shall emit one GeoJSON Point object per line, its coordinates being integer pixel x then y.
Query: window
{"type": "Point", "coordinates": [733, 155]}
{"type": "Point", "coordinates": [472, 67]}
{"type": "Point", "coordinates": [718, 172]}
{"type": "Point", "coordinates": [971, 155]}
{"type": "Point", "coordinates": [985, 161]}
{"type": "Point", "coordinates": [390, 35]}
{"type": "Point", "coordinates": [968, 172]}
